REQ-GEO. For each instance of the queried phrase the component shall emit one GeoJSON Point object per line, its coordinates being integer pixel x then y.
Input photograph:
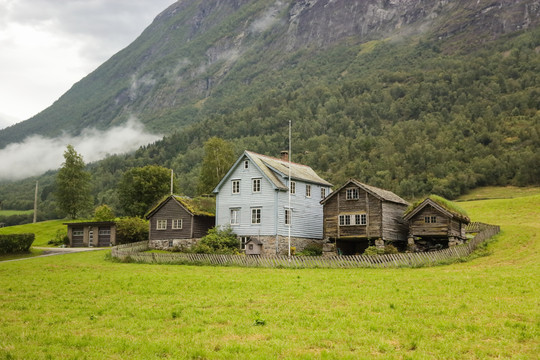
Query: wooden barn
{"type": "Point", "coordinates": [356, 215]}
{"type": "Point", "coordinates": [436, 222]}
{"type": "Point", "coordinates": [179, 217]}
{"type": "Point", "coordinates": [91, 234]}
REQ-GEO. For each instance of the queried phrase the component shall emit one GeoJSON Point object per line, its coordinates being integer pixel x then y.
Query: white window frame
{"type": "Point", "coordinates": [256, 185]}
{"type": "Point", "coordinates": [288, 217]}
{"type": "Point", "coordinates": [243, 242]}
{"type": "Point", "coordinates": [235, 219]}
{"type": "Point", "coordinates": [235, 186]}
{"type": "Point", "coordinates": [161, 224]}
{"type": "Point", "coordinates": [430, 219]}
{"type": "Point", "coordinates": [293, 187]}
{"type": "Point", "coordinates": [246, 164]}
{"type": "Point", "coordinates": [352, 194]}
{"type": "Point", "coordinates": [104, 232]}
{"type": "Point", "coordinates": [308, 190]}
{"type": "Point", "coordinates": [323, 193]}
{"type": "Point", "coordinates": [360, 219]}
{"type": "Point", "coordinates": [78, 232]}
{"type": "Point", "coordinates": [177, 224]}
{"type": "Point", "coordinates": [256, 216]}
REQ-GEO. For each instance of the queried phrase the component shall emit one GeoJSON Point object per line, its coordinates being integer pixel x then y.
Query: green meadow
{"type": "Point", "coordinates": [84, 306]}
{"type": "Point", "coordinates": [44, 231]}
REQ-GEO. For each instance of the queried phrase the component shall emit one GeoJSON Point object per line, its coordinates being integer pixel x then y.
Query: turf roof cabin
{"type": "Point", "coordinates": [357, 214]}
{"type": "Point", "coordinates": [179, 221]}
{"type": "Point", "coordinates": [252, 198]}
{"type": "Point", "coordinates": [436, 222]}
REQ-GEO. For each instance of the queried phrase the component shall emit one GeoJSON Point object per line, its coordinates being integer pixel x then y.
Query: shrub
{"type": "Point", "coordinates": [311, 250]}
{"type": "Point", "coordinates": [131, 229]}
{"type": "Point", "coordinates": [14, 243]}
{"type": "Point", "coordinates": [218, 241]}
{"type": "Point", "coordinates": [103, 213]}
{"type": "Point", "coordinates": [373, 250]}
{"type": "Point", "coordinates": [60, 238]}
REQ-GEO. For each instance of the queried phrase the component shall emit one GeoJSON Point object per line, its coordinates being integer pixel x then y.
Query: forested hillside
{"type": "Point", "coordinates": [433, 97]}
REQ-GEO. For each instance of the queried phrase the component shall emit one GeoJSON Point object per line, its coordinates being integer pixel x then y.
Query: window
{"type": "Point", "coordinates": [161, 225]}
{"type": "Point", "coordinates": [78, 233]}
{"type": "Point", "coordinates": [293, 187]}
{"type": "Point", "coordinates": [360, 219]}
{"type": "Point", "coordinates": [430, 219]}
{"type": "Point", "coordinates": [236, 186]}
{"type": "Point", "coordinates": [323, 193]}
{"type": "Point", "coordinates": [243, 241]}
{"type": "Point", "coordinates": [171, 243]}
{"type": "Point", "coordinates": [344, 220]}
{"type": "Point", "coordinates": [177, 224]}
{"type": "Point", "coordinates": [352, 194]}
{"type": "Point", "coordinates": [235, 216]}
{"type": "Point", "coordinates": [256, 216]}
{"type": "Point", "coordinates": [105, 232]}
{"type": "Point", "coordinates": [246, 164]}
{"type": "Point", "coordinates": [288, 217]}
{"type": "Point", "coordinates": [308, 190]}
{"type": "Point", "coordinates": [256, 185]}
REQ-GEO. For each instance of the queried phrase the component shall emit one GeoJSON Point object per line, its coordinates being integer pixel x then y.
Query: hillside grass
{"type": "Point", "coordinates": [15, 212]}
{"type": "Point", "coordinates": [44, 231]}
{"type": "Point", "coordinates": [82, 306]}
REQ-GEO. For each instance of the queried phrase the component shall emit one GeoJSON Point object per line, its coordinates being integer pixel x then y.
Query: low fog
{"type": "Point", "coordinates": [37, 154]}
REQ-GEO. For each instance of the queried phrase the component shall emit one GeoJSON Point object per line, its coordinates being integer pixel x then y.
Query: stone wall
{"type": "Point", "coordinates": [181, 244]}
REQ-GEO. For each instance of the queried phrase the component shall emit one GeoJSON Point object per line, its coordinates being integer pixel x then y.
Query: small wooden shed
{"type": "Point", "coordinates": [181, 217]}
{"type": "Point", "coordinates": [357, 213]}
{"type": "Point", "coordinates": [254, 247]}
{"type": "Point", "coordinates": [92, 234]}
{"type": "Point", "coordinates": [436, 220]}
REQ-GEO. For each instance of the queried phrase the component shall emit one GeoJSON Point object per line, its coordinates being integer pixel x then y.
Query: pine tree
{"type": "Point", "coordinates": [73, 192]}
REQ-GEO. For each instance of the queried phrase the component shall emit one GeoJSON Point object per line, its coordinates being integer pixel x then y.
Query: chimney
{"type": "Point", "coordinates": [285, 155]}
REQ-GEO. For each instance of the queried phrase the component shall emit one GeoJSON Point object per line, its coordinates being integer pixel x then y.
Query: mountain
{"type": "Point", "coordinates": [200, 58]}
{"type": "Point", "coordinates": [414, 96]}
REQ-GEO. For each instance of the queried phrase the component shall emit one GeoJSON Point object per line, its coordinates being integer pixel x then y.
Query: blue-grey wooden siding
{"type": "Point", "coordinates": [307, 213]}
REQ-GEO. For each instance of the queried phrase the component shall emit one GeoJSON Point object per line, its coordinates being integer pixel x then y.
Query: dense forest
{"type": "Point", "coordinates": [405, 116]}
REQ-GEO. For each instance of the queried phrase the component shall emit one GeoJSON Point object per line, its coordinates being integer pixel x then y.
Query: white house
{"type": "Point", "coordinates": [253, 199]}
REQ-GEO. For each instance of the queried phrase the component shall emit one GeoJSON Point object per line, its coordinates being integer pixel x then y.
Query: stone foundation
{"type": "Point", "coordinates": [279, 245]}
{"type": "Point", "coordinates": [181, 244]}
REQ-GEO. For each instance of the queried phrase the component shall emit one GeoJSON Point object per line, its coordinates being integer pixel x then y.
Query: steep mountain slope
{"type": "Point", "coordinates": [201, 58]}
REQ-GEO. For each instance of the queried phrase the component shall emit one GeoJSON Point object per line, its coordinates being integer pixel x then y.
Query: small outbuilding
{"type": "Point", "coordinates": [436, 221]}
{"type": "Point", "coordinates": [92, 234]}
{"type": "Point", "coordinates": [254, 247]}
{"type": "Point", "coordinates": [358, 215]}
{"type": "Point", "coordinates": [180, 220]}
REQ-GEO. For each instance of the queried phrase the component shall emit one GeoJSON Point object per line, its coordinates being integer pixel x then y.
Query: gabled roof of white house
{"type": "Point", "coordinates": [379, 193]}
{"type": "Point", "coordinates": [270, 167]}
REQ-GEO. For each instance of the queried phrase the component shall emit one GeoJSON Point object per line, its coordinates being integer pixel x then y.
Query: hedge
{"type": "Point", "coordinates": [14, 243]}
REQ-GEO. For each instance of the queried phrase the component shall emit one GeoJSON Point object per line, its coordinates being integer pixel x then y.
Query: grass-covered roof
{"type": "Point", "coordinates": [201, 206]}
{"type": "Point", "coordinates": [448, 205]}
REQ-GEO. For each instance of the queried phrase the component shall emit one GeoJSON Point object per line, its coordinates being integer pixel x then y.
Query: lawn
{"type": "Point", "coordinates": [15, 212]}
{"type": "Point", "coordinates": [45, 230]}
{"type": "Point", "coordinates": [82, 306]}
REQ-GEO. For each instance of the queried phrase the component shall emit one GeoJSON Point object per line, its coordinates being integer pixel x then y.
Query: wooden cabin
{"type": "Point", "coordinates": [91, 234]}
{"type": "Point", "coordinates": [179, 217]}
{"type": "Point", "coordinates": [436, 222]}
{"type": "Point", "coordinates": [357, 214]}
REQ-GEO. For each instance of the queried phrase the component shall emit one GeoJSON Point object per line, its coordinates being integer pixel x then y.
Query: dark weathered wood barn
{"type": "Point", "coordinates": [180, 217]}
{"type": "Point", "coordinates": [88, 234]}
{"type": "Point", "coordinates": [356, 214]}
{"type": "Point", "coordinates": [436, 221]}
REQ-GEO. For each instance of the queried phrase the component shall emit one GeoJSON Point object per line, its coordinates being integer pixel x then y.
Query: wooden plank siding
{"type": "Point", "coordinates": [383, 218]}
{"type": "Point", "coordinates": [193, 226]}
{"type": "Point", "coordinates": [419, 227]}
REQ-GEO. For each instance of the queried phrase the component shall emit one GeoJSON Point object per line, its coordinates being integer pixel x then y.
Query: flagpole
{"type": "Point", "coordinates": [290, 213]}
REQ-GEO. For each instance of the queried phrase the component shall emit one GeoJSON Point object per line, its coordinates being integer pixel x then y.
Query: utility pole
{"type": "Point", "coordinates": [35, 202]}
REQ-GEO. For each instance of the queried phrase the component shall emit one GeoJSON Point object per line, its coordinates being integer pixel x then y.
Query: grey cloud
{"type": "Point", "coordinates": [37, 154]}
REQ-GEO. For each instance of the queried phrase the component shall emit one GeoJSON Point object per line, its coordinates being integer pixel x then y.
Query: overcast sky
{"type": "Point", "coordinates": [48, 45]}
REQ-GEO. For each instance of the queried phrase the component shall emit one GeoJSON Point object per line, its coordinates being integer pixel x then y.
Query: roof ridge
{"type": "Point", "coordinates": [278, 159]}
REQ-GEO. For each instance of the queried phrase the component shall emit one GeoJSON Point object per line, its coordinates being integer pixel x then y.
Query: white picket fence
{"type": "Point", "coordinates": [136, 252]}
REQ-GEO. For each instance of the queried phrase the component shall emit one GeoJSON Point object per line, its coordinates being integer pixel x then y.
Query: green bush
{"type": "Point", "coordinates": [311, 250]}
{"type": "Point", "coordinates": [60, 238]}
{"type": "Point", "coordinates": [388, 249]}
{"type": "Point", "coordinates": [15, 243]}
{"type": "Point", "coordinates": [218, 241]}
{"type": "Point", "coordinates": [131, 229]}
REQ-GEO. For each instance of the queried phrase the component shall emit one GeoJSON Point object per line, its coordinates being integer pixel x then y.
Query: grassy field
{"type": "Point", "coordinates": [82, 306]}
{"type": "Point", "coordinates": [44, 231]}
{"type": "Point", "coordinates": [15, 212]}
